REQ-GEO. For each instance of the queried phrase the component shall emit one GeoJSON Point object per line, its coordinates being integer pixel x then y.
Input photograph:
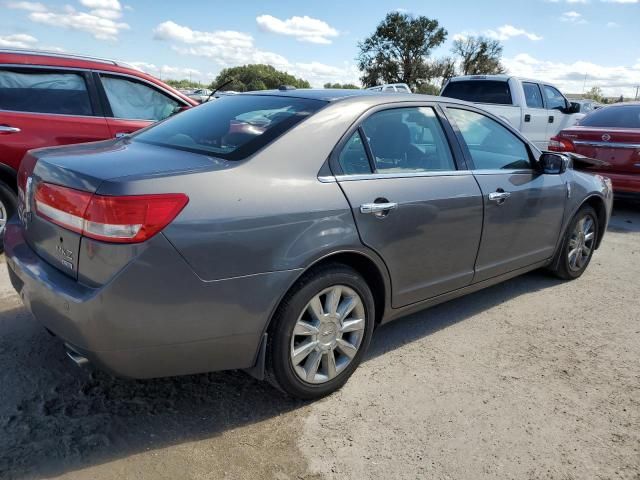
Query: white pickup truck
{"type": "Point", "coordinates": [537, 109]}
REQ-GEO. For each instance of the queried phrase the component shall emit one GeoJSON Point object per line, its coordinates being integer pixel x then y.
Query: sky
{"type": "Point", "coordinates": [576, 44]}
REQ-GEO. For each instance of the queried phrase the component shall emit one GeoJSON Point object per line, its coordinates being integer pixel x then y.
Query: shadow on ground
{"type": "Point", "coordinates": [625, 217]}
{"type": "Point", "coordinates": [56, 418]}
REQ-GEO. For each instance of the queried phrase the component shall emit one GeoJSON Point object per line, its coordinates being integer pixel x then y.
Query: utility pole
{"type": "Point", "coordinates": [637, 88]}
{"type": "Point", "coordinates": [584, 84]}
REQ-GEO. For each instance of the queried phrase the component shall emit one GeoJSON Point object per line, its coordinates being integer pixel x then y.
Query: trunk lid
{"type": "Point", "coordinates": [619, 147]}
{"type": "Point", "coordinates": [85, 167]}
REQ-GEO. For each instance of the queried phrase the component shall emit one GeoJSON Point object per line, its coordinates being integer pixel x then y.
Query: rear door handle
{"type": "Point", "coordinates": [499, 197]}
{"type": "Point", "coordinates": [8, 129]}
{"type": "Point", "coordinates": [377, 208]}
{"type": "Point", "coordinates": [550, 118]}
{"type": "Point", "coordinates": [527, 118]}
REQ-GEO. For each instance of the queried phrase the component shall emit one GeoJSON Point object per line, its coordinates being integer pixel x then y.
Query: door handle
{"type": "Point", "coordinates": [550, 118]}
{"type": "Point", "coordinates": [499, 197]}
{"type": "Point", "coordinates": [8, 129]}
{"type": "Point", "coordinates": [527, 118]}
{"type": "Point", "coordinates": [377, 208]}
{"type": "Point", "coordinates": [121, 134]}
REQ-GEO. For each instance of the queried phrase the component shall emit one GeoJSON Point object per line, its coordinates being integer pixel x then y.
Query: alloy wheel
{"type": "Point", "coordinates": [327, 334]}
{"type": "Point", "coordinates": [581, 243]}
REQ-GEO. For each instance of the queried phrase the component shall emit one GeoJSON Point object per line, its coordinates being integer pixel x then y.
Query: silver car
{"type": "Point", "coordinates": [274, 231]}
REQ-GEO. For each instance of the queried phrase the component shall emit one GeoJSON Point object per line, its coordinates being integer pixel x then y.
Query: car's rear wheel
{"type": "Point", "coordinates": [578, 244]}
{"type": "Point", "coordinates": [8, 206]}
{"type": "Point", "coordinates": [320, 333]}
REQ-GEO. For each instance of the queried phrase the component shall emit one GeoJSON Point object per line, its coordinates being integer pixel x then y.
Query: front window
{"type": "Point", "coordinates": [491, 145]}
{"type": "Point", "coordinates": [133, 100]}
{"type": "Point", "coordinates": [232, 127]}
{"type": "Point", "coordinates": [555, 100]}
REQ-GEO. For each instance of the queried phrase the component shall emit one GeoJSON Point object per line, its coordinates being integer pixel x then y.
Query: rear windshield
{"type": "Point", "coordinates": [231, 127]}
{"type": "Point", "coordinates": [625, 116]}
{"type": "Point", "coordinates": [479, 91]}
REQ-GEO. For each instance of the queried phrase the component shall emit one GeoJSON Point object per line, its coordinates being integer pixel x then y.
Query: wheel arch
{"type": "Point", "coordinates": [597, 203]}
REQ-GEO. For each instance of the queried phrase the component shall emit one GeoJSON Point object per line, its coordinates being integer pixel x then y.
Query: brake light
{"type": "Point", "coordinates": [115, 219]}
{"type": "Point", "coordinates": [559, 144]}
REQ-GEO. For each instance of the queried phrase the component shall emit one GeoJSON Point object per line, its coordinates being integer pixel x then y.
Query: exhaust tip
{"type": "Point", "coordinates": [77, 358]}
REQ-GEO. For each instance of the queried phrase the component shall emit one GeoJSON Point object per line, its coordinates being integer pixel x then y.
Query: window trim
{"type": "Point", "coordinates": [90, 86]}
{"type": "Point", "coordinates": [537, 85]}
{"type": "Point", "coordinates": [457, 154]}
{"type": "Point", "coordinates": [533, 152]}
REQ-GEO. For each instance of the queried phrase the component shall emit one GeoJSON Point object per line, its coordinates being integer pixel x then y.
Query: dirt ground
{"type": "Point", "coordinates": [530, 379]}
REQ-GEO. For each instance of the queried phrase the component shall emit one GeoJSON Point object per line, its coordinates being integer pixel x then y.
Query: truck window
{"type": "Point", "coordinates": [532, 95]}
{"type": "Point", "coordinates": [479, 91]}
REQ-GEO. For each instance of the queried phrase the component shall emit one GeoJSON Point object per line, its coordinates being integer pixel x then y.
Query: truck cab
{"type": "Point", "coordinates": [537, 109]}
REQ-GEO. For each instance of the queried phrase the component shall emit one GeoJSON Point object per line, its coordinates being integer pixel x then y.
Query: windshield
{"type": "Point", "coordinates": [232, 127]}
{"type": "Point", "coordinates": [625, 116]}
{"type": "Point", "coordinates": [479, 91]}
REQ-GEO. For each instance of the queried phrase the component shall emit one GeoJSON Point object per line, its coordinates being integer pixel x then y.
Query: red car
{"type": "Point", "coordinates": [49, 99]}
{"type": "Point", "coordinates": [610, 134]}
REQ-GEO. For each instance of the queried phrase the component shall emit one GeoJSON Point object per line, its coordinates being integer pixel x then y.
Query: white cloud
{"type": "Point", "coordinates": [29, 6]}
{"type": "Point", "coordinates": [168, 71]}
{"type": "Point", "coordinates": [576, 76]}
{"type": "Point", "coordinates": [100, 21]}
{"type": "Point", "coordinates": [572, 17]}
{"type": "Point", "coordinates": [578, 1]}
{"type": "Point", "coordinates": [621, 1]}
{"type": "Point", "coordinates": [612, 25]}
{"type": "Point", "coordinates": [502, 33]}
{"type": "Point", "coordinates": [18, 40]}
{"type": "Point", "coordinates": [228, 48]}
{"type": "Point", "coordinates": [303, 29]}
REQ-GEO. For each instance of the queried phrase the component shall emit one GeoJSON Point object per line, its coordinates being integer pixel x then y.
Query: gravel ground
{"type": "Point", "coordinates": [533, 378]}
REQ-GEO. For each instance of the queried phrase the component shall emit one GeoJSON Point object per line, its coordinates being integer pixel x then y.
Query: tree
{"type": "Point", "coordinates": [184, 83]}
{"type": "Point", "coordinates": [349, 86]}
{"type": "Point", "coordinates": [256, 77]}
{"type": "Point", "coordinates": [399, 50]}
{"type": "Point", "coordinates": [595, 94]}
{"type": "Point", "coordinates": [478, 55]}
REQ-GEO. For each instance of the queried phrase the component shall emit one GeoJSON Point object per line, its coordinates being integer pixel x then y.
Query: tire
{"type": "Point", "coordinates": [320, 336]}
{"type": "Point", "coordinates": [8, 207]}
{"type": "Point", "coordinates": [572, 262]}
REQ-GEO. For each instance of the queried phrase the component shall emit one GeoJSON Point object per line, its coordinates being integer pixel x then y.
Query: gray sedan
{"type": "Point", "coordinates": [274, 231]}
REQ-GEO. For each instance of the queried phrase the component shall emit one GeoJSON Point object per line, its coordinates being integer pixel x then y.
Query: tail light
{"type": "Point", "coordinates": [115, 219]}
{"type": "Point", "coordinates": [559, 144]}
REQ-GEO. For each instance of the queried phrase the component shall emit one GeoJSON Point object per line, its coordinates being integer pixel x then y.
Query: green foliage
{"type": "Point", "coordinates": [478, 56]}
{"type": "Point", "coordinates": [349, 86]}
{"type": "Point", "coordinates": [399, 50]}
{"type": "Point", "coordinates": [184, 83]}
{"type": "Point", "coordinates": [595, 94]}
{"type": "Point", "coordinates": [256, 77]}
{"type": "Point", "coordinates": [427, 89]}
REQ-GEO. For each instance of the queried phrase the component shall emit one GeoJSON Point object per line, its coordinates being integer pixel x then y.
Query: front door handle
{"type": "Point", "coordinates": [527, 118]}
{"type": "Point", "coordinates": [378, 208]}
{"type": "Point", "coordinates": [550, 118]}
{"type": "Point", "coordinates": [121, 134]}
{"type": "Point", "coordinates": [499, 197]}
{"type": "Point", "coordinates": [9, 129]}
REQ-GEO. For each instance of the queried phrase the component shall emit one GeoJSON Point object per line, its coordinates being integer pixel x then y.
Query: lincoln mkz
{"type": "Point", "coordinates": [274, 231]}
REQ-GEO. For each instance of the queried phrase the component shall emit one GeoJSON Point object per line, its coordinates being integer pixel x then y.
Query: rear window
{"type": "Point", "coordinates": [479, 91]}
{"type": "Point", "coordinates": [44, 92]}
{"type": "Point", "coordinates": [231, 127]}
{"type": "Point", "coordinates": [625, 116]}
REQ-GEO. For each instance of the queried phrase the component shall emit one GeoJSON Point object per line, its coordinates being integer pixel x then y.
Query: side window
{"type": "Point", "coordinates": [44, 92]}
{"type": "Point", "coordinates": [353, 157]}
{"type": "Point", "coordinates": [408, 140]}
{"type": "Point", "coordinates": [136, 101]}
{"type": "Point", "coordinates": [491, 145]}
{"type": "Point", "coordinates": [532, 95]}
{"type": "Point", "coordinates": [555, 100]}
{"type": "Point", "coordinates": [389, 88]}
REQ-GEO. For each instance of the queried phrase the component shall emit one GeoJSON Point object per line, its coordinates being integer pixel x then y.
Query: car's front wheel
{"type": "Point", "coordinates": [578, 244]}
{"type": "Point", "coordinates": [320, 332]}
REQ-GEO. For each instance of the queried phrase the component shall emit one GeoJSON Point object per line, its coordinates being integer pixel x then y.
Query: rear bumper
{"type": "Point", "coordinates": [155, 318]}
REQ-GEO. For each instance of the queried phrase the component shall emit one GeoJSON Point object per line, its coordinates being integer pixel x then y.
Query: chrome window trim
{"type": "Point", "coordinates": [22, 112]}
{"type": "Point", "coordinates": [382, 176]}
{"type": "Point", "coordinates": [606, 144]}
{"type": "Point", "coordinates": [511, 171]}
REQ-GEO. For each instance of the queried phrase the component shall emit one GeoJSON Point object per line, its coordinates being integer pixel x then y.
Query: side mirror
{"type": "Point", "coordinates": [573, 107]}
{"type": "Point", "coordinates": [553, 163]}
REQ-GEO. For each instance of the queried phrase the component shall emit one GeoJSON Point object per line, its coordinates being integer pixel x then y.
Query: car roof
{"type": "Point", "coordinates": [334, 95]}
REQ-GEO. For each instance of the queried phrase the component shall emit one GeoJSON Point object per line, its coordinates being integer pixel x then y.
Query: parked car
{"type": "Point", "coordinates": [610, 134]}
{"type": "Point", "coordinates": [586, 106]}
{"type": "Point", "coordinates": [195, 245]}
{"type": "Point", "coordinates": [537, 109]}
{"type": "Point", "coordinates": [49, 99]}
{"type": "Point", "coordinates": [391, 88]}
{"type": "Point", "coordinates": [200, 95]}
